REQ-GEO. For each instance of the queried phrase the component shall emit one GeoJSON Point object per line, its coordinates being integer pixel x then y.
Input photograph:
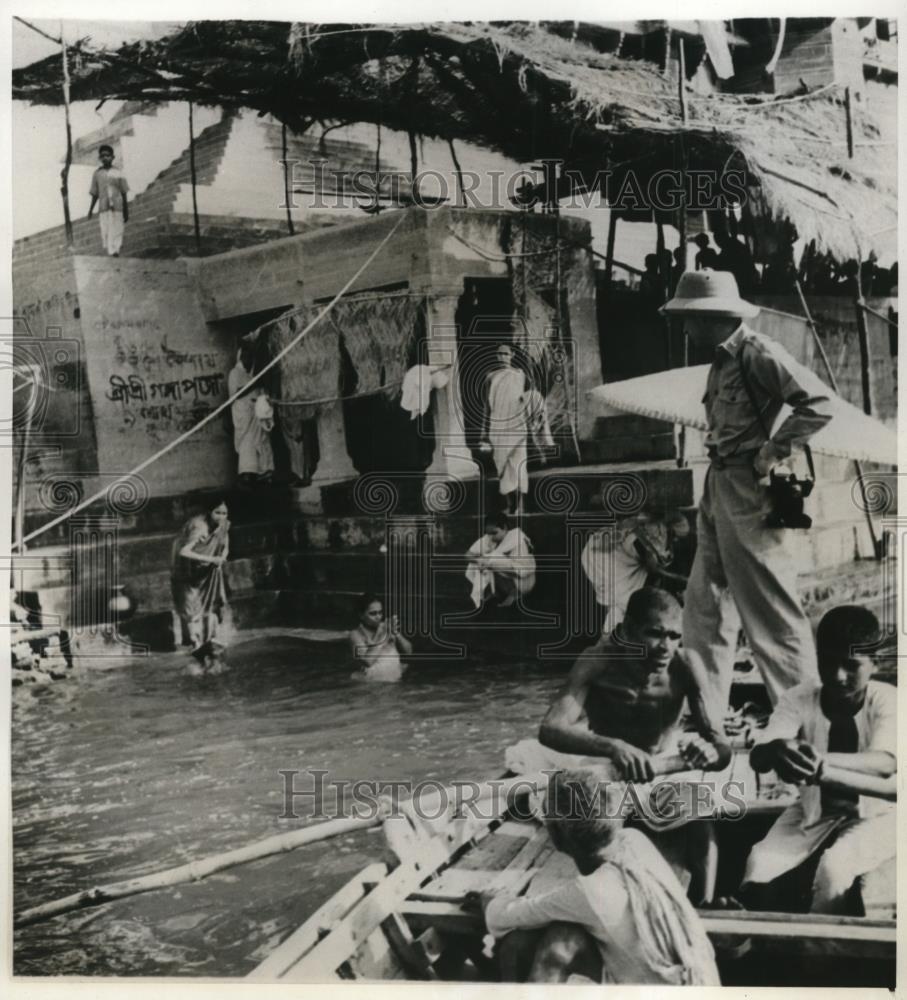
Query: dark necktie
{"type": "Point", "coordinates": [842, 738]}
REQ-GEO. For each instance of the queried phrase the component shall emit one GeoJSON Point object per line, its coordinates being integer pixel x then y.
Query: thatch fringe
{"type": "Point", "coordinates": [503, 86]}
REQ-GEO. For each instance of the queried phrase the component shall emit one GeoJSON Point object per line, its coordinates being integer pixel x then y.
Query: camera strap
{"type": "Point", "coordinates": [752, 398]}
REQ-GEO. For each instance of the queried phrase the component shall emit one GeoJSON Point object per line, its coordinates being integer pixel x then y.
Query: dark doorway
{"type": "Point", "coordinates": [380, 434]}
{"type": "Point", "coordinates": [300, 466]}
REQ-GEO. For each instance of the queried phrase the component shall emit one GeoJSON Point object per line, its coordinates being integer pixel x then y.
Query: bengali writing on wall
{"type": "Point", "coordinates": [163, 390]}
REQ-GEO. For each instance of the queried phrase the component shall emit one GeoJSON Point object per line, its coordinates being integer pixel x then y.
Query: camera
{"type": "Point", "coordinates": [787, 494]}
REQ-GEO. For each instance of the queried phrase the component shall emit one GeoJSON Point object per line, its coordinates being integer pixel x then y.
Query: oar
{"type": "Point", "coordinates": [195, 870]}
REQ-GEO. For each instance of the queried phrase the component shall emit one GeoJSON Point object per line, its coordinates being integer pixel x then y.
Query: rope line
{"type": "Point", "coordinates": [223, 406]}
{"type": "Point", "coordinates": [338, 399]}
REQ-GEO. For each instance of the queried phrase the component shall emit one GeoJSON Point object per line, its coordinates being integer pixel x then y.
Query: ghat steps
{"type": "Point", "coordinates": [288, 567]}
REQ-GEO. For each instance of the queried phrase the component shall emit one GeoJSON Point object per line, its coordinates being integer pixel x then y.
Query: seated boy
{"type": "Point", "coordinates": [624, 918]}
{"type": "Point", "coordinates": [501, 566]}
{"type": "Point", "coordinates": [838, 741]}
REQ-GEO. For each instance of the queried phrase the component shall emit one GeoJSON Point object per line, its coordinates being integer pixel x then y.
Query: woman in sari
{"type": "Point", "coordinates": [253, 421]}
{"type": "Point", "coordinates": [197, 575]}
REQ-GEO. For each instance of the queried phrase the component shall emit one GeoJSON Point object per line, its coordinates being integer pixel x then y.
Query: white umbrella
{"type": "Point", "coordinates": [676, 396]}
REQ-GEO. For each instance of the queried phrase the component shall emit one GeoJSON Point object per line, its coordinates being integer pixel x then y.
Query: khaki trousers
{"type": "Point", "coordinates": [746, 572]}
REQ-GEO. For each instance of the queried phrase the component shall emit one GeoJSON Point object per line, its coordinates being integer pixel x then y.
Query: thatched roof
{"type": "Point", "coordinates": [526, 90]}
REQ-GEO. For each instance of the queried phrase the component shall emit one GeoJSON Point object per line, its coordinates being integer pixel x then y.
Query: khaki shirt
{"type": "Point", "coordinates": [775, 379]}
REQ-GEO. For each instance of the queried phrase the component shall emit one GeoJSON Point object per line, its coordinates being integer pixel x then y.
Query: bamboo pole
{"type": "Point", "coordinates": [459, 172]}
{"type": "Point", "coordinates": [609, 253]}
{"type": "Point", "coordinates": [858, 468]}
{"type": "Point", "coordinates": [682, 227]}
{"type": "Point", "coordinates": [195, 870]}
{"type": "Point", "coordinates": [413, 167]}
{"type": "Point", "coordinates": [848, 118]}
{"type": "Point", "coordinates": [198, 235]}
{"type": "Point", "coordinates": [64, 173]}
{"type": "Point", "coordinates": [878, 315]}
{"type": "Point", "coordinates": [21, 470]}
{"type": "Point", "coordinates": [286, 179]}
{"type": "Point", "coordinates": [863, 337]}
{"type": "Point", "coordinates": [378, 205]}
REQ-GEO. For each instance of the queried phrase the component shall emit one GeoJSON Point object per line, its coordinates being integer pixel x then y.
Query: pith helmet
{"type": "Point", "coordinates": [709, 292]}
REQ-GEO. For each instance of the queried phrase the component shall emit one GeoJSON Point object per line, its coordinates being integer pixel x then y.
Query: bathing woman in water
{"type": "Point", "coordinates": [377, 644]}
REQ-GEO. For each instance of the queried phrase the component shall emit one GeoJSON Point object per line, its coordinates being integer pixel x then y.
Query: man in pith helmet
{"type": "Point", "coordinates": [744, 569]}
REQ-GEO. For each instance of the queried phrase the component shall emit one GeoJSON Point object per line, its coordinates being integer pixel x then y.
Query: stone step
{"type": "Point", "coordinates": [345, 554]}
{"type": "Point", "coordinates": [165, 514]}
{"type": "Point", "coordinates": [630, 425]}
{"type": "Point", "coordinates": [623, 448]}
{"type": "Point", "coordinates": [626, 486]}
{"type": "Point", "coordinates": [335, 606]}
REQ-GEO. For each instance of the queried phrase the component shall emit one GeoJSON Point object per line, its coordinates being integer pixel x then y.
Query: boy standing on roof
{"type": "Point", "coordinates": [743, 569]}
{"type": "Point", "coordinates": [109, 192]}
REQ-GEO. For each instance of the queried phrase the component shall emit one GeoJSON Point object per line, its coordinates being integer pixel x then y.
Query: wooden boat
{"type": "Point", "coordinates": [412, 918]}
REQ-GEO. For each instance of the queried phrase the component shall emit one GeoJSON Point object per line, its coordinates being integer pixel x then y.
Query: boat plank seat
{"type": "Point", "coordinates": [505, 862]}
{"type": "Point", "coordinates": [319, 924]}
{"type": "Point", "coordinates": [812, 935]}
{"type": "Point", "coordinates": [355, 937]}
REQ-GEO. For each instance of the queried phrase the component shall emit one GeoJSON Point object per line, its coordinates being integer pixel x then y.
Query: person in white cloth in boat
{"type": "Point", "coordinates": [501, 564]}
{"type": "Point", "coordinates": [620, 560]}
{"type": "Point", "coordinates": [623, 701]}
{"type": "Point", "coordinates": [743, 570]}
{"type": "Point", "coordinates": [623, 918]}
{"type": "Point", "coordinates": [376, 644]}
{"type": "Point", "coordinates": [513, 412]}
{"type": "Point", "coordinates": [253, 421]}
{"type": "Point", "coordinates": [838, 741]}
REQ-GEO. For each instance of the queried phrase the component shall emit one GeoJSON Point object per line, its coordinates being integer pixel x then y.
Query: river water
{"type": "Point", "coordinates": [122, 772]}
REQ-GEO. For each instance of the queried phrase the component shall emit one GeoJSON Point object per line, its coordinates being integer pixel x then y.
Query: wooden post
{"type": "Point", "coordinates": [378, 205]}
{"type": "Point", "coordinates": [849, 121]}
{"type": "Point", "coordinates": [459, 171]}
{"type": "Point", "coordinates": [863, 337]}
{"type": "Point", "coordinates": [198, 234]}
{"type": "Point", "coordinates": [64, 173]}
{"type": "Point", "coordinates": [609, 259]}
{"type": "Point", "coordinates": [413, 167]}
{"type": "Point", "coordinates": [682, 77]}
{"type": "Point", "coordinates": [682, 229]}
{"type": "Point", "coordinates": [286, 179]}
{"type": "Point", "coordinates": [21, 471]}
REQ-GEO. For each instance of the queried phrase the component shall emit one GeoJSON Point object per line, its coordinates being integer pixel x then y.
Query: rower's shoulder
{"type": "Point", "coordinates": [598, 658]}
{"type": "Point", "coordinates": [688, 667]}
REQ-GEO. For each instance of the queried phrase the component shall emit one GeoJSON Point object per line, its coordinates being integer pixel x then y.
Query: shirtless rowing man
{"type": "Point", "coordinates": [623, 701]}
{"type": "Point", "coordinates": [625, 695]}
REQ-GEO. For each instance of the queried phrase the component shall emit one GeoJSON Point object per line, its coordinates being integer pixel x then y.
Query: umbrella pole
{"type": "Point", "coordinates": [858, 468]}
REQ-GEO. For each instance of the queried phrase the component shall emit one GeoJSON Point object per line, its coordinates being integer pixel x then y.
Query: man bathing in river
{"type": "Point", "coordinates": [622, 919]}
{"type": "Point", "coordinates": [623, 701]}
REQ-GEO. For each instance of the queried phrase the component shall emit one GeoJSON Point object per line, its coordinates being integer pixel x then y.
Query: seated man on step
{"type": "Point", "coordinates": [838, 741]}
